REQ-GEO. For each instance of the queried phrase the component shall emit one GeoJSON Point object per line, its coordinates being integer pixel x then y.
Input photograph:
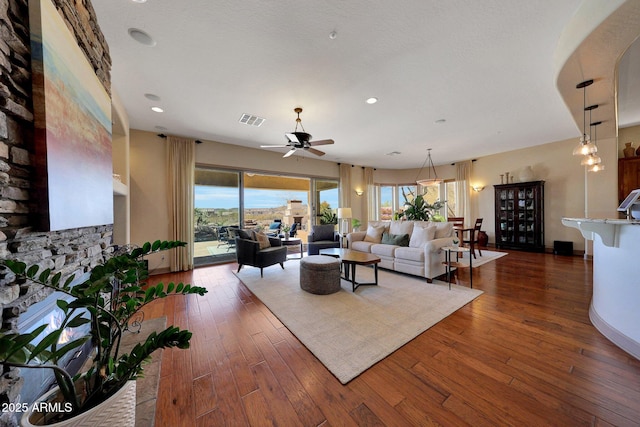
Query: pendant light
{"type": "Point", "coordinates": [596, 167]}
{"type": "Point", "coordinates": [429, 163]}
{"type": "Point", "coordinates": [592, 159]}
{"type": "Point", "coordinates": [585, 146]}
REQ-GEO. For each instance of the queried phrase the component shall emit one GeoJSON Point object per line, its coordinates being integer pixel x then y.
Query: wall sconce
{"type": "Point", "coordinates": [359, 192]}
{"type": "Point", "coordinates": [478, 188]}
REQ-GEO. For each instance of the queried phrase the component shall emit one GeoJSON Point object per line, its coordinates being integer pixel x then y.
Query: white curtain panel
{"type": "Point", "coordinates": [182, 161]}
{"type": "Point", "coordinates": [463, 201]}
{"type": "Point", "coordinates": [345, 185]}
{"type": "Point", "coordinates": [370, 196]}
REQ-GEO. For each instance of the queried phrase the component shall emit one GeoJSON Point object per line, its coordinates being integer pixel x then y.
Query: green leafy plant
{"type": "Point", "coordinates": [355, 223]}
{"type": "Point", "coordinates": [328, 217]}
{"type": "Point", "coordinates": [417, 209]}
{"type": "Point", "coordinates": [107, 300]}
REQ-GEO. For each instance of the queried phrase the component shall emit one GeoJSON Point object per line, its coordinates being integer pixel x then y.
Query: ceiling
{"type": "Point", "coordinates": [486, 68]}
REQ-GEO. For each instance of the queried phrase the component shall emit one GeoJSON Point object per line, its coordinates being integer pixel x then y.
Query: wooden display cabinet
{"type": "Point", "coordinates": [628, 176]}
{"type": "Point", "coordinates": [520, 216]}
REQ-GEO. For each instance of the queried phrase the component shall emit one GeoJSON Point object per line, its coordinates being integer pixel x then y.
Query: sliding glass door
{"type": "Point", "coordinates": [217, 209]}
{"type": "Point", "coordinates": [325, 200]}
{"type": "Point", "coordinates": [226, 200]}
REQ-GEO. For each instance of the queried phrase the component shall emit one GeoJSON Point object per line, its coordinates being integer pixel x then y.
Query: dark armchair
{"type": "Point", "coordinates": [248, 252]}
{"type": "Point", "coordinates": [322, 237]}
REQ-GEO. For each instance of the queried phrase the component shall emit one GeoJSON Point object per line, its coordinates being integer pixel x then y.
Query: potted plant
{"type": "Point", "coordinates": [355, 223]}
{"type": "Point", "coordinates": [417, 209]}
{"type": "Point", "coordinates": [328, 217]}
{"type": "Point", "coordinates": [113, 293]}
{"type": "Point", "coordinates": [286, 229]}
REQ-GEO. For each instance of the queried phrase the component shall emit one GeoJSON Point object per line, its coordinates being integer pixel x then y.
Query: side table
{"type": "Point", "coordinates": [293, 241]}
{"type": "Point", "coordinates": [448, 250]}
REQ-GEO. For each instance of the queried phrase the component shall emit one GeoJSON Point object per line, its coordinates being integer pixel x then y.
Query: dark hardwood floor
{"type": "Point", "coordinates": [524, 353]}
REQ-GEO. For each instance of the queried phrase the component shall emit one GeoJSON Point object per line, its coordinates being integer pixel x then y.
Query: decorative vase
{"type": "Point", "coordinates": [628, 150]}
{"type": "Point", "coordinates": [483, 238]}
{"type": "Point", "coordinates": [456, 243]}
{"type": "Point", "coordinates": [118, 410]}
{"type": "Point", "coordinates": [526, 174]}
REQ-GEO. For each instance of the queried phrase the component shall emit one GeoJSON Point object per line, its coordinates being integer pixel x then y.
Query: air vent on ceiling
{"type": "Point", "coordinates": [251, 120]}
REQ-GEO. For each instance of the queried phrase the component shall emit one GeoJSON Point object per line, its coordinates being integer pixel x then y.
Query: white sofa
{"type": "Point", "coordinates": [422, 257]}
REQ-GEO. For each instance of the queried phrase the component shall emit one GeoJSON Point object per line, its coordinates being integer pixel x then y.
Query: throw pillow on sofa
{"type": "Point", "coordinates": [374, 233]}
{"type": "Point", "coordinates": [444, 229]}
{"type": "Point", "coordinates": [421, 236]}
{"type": "Point", "coordinates": [401, 227]}
{"type": "Point", "coordinates": [395, 239]}
{"type": "Point", "coordinates": [263, 240]}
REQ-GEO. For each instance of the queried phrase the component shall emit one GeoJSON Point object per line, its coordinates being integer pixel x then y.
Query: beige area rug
{"type": "Point", "coordinates": [147, 386]}
{"type": "Point", "coordinates": [351, 331]}
{"type": "Point", "coordinates": [487, 256]}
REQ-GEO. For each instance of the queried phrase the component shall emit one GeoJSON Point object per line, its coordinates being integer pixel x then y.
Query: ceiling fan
{"type": "Point", "coordinates": [300, 140]}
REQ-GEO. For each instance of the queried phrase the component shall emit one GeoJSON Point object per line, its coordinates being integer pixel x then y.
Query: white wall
{"type": "Point", "coordinates": [147, 187]}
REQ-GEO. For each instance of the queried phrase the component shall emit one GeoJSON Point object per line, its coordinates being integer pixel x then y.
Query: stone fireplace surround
{"type": "Point", "coordinates": [68, 251]}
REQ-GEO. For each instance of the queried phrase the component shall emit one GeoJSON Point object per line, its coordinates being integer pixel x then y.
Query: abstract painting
{"type": "Point", "coordinates": [72, 113]}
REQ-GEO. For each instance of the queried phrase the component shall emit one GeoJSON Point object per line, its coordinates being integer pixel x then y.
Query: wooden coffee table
{"type": "Point", "coordinates": [349, 259]}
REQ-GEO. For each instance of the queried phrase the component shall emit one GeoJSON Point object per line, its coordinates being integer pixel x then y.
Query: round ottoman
{"type": "Point", "coordinates": [320, 274]}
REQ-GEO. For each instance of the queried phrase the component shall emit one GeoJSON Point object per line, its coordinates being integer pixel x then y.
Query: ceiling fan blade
{"type": "Point", "coordinates": [322, 142]}
{"type": "Point", "coordinates": [290, 152]}
{"type": "Point", "coordinates": [292, 137]}
{"type": "Point", "coordinates": [275, 146]}
{"type": "Point", "coordinates": [314, 151]}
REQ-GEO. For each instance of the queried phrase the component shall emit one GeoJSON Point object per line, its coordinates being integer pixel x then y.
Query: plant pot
{"type": "Point", "coordinates": [483, 239]}
{"type": "Point", "coordinates": [118, 410]}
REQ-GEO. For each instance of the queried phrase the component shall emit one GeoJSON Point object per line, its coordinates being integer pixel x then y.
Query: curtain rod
{"type": "Point", "coordinates": [162, 135]}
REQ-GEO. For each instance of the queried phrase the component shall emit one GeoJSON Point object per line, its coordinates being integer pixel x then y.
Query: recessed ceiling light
{"type": "Point", "coordinates": [162, 128]}
{"type": "Point", "coordinates": [333, 35]}
{"type": "Point", "coordinates": [141, 37]}
{"type": "Point", "coordinates": [152, 97]}
{"type": "Point", "coordinates": [372, 100]}
{"type": "Point", "coordinates": [393, 153]}
{"type": "Point", "coordinates": [139, 1]}
{"type": "Point", "coordinates": [440, 121]}
{"type": "Point", "coordinates": [157, 109]}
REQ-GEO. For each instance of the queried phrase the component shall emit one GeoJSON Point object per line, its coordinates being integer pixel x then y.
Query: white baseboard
{"type": "Point", "coordinates": [624, 342]}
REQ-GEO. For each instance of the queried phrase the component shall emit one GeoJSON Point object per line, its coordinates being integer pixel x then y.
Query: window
{"type": "Point", "coordinates": [391, 198]}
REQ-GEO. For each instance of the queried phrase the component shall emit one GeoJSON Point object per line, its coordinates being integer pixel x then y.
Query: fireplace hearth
{"type": "Point", "coordinates": [46, 312]}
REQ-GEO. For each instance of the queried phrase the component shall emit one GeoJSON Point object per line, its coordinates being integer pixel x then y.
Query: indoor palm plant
{"type": "Point", "coordinates": [114, 291]}
{"type": "Point", "coordinates": [417, 209]}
